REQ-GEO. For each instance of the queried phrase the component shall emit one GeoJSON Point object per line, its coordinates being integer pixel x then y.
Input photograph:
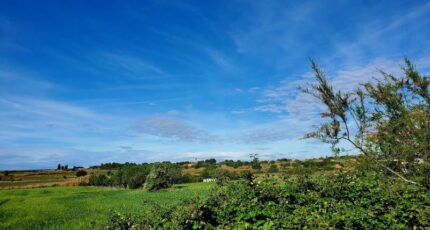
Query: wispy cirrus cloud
{"type": "Point", "coordinates": [44, 107]}
{"type": "Point", "coordinates": [370, 34]}
{"type": "Point", "coordinates": [173, 128]}
{"type": "Point", "coordinates": [285, 128]}
{"type": "Point", "coordinates": [14, 82]}
{"type": "Point", "coordinates": [288, 99]}
{"type": "Point", "coordinates": [131, 65]}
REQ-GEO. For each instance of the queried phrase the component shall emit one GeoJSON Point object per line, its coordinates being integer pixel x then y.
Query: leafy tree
{"type": "Point", "coordinates": [131, 176]}
{"type": "Point", "coordinates": [255, 163]}
{"type": "Point", "coordinates": [210, 161]}
{"type": "Point", "coordinates": [208, 171]}
{"type": "Point", "coordinates": [162, 175]}
{"type": "Point", "coordinates": [387, 120]}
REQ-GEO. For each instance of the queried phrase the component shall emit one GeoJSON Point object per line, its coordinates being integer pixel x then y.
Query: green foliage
{"type": "Point", "coordinates": [122, 222]}
{"type": "Point", "coordinates": [206, 163]}
{"type": "Point", "coordinates": [188, 178]}
{"type": "Point", "coordinates": [131, 176]}
{"type": "Point", "coordinates": [273, 169]}
{"type": "Point", "coordinates": [162, 175]}
{"type": "Point", "coordinates": [208, 171]}
{"type": "Point", "coordinates": [113, 165]}
{"type": "Point", "coordinates": [235, 164]}
{"type": "Point", "coordinates": [387, 119]}
{"type": "Point", "coordinates": [316, 165]}
{"type": "Point", "coordinates": [345, 201]}
{"type": "Point", "coordinates": [81, 173]}
{"type": "Point", "coordinates": [99, 180]}
{"type": "Point", "coordinates": [84, 207]}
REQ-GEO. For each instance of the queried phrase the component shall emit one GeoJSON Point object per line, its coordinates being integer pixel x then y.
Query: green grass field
{"type": "Point", "coordinates": [77, 207]}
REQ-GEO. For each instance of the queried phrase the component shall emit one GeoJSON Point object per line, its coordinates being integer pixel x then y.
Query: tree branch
{"type": "Point", "coordinates": [379, 163]}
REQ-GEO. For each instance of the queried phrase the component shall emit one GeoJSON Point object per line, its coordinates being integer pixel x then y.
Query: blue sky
{"type": "Point", "coordinates": [85, 82]}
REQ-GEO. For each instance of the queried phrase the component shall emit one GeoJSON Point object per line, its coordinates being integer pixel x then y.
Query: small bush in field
{"type": "Point", "coordinates": [81, 173]}
{"type": "Point", "coordinates": [162, 175]}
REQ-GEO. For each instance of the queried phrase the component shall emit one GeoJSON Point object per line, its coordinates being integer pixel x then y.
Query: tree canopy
{"type": "Point", "coordinates": [387, 119]}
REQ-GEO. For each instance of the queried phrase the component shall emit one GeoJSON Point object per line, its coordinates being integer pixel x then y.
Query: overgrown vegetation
{"type": "Point", "coordinates": [385, 187]}
{"type": "Point", "coordinates": [81, 173]}
{"type": "Point", "coordinates": [344, 201]}
{"type": "Point", "coordinates": [387, 120]}
{"type": "Point", "coordinates": [391, 119]}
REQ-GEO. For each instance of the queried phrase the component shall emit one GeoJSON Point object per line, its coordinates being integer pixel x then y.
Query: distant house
{"type": "Point", "coordinates": [209, 180]}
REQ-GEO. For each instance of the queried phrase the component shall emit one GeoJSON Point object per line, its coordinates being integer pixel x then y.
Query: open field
{"type": "Point", "coordinates": [60, 178]}
{"type": "Point", "coordinates": [78, 207]}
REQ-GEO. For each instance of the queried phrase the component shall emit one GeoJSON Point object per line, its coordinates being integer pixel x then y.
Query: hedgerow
{"type": "Point", "coordinates": [343, 201]}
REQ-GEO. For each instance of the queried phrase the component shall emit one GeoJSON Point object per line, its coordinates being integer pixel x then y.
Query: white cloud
{"type": "Point", "coordinates": [273, 108]}
{"type": "Point", "coordinates": [220, 59]}
{"type": "Point", "coordinates": [290, 128]}
{"type": "Point", "coordinates": [287, 98]}
{"type": "Point", "coordinates": [131, 66]}
{"type": "Point", "coordinates": [173, 128]}
{"type": "Point", "coordinates": [221, 155]}
{"type": "Point", "coordinates": [46, 107]}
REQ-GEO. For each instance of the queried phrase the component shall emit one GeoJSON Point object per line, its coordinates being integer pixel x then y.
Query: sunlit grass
{"type": "Point", "coordinates": [77, 207]}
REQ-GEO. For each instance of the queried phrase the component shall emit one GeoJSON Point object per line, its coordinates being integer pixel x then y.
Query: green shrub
{"type": "Point", "coordinates": [162, 175]}
{"type": "Point", "coordinates": [81, 173]}
{"type": "Point", "coordinates": [99, 180]}
{"type": "Point", "coordinates": [131, 176]}
{"type": "Point", "coordinates": [346, 201]}
{"type": "Point", "coordinates": [273, 169]}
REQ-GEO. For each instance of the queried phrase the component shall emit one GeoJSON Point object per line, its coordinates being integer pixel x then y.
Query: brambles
{"type": "Point", "coordinates": [343, 201]}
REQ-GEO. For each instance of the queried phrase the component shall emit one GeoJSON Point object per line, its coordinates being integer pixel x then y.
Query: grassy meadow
{"type": "Point", "coordinates": [82, 207]}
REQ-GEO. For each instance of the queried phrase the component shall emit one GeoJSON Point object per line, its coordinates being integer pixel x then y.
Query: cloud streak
{"type": "Point", "coordinates": [173, 128]}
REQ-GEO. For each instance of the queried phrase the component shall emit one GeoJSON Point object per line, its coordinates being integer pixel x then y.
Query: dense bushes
{"type": "Point", "coordinates": [154, 176]}
{"type": "Point", "coordinates": [162, 175]}
{"type": "Point", "coordinates": [273, 169]}
{"type": "Point", "coordinates": [235, 164]}
{"type": "Point", "coordinates": [113, 165]}
{"type": "Point", "coordinates": [131, 176]}
{"type": "Point", "coordinates": [81, 173]}
{"type": "Point", "coordinates": [205, 163]}
{"type": "Point", "coordinates": [344, 201]}
{"type": "Point", "coordinates": [99, 180]}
